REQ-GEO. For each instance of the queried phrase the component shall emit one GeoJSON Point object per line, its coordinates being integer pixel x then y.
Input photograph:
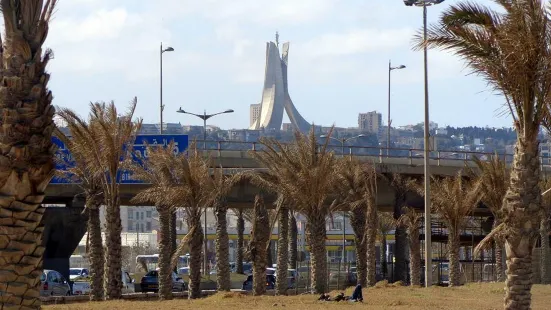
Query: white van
{"type": "Point", "coordinates": [83, 287]}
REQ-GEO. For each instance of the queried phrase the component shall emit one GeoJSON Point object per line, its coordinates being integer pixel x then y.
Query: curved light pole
{"type": "Point", "coordinates": [390, 68]}
{"type": "Point", "coordinates": [343, 141]}
{"type": "Point", "coordinates": [428, 225]}
{"type": "Point", "coordinates": [204, 117]}
{"type": "Point", "coordinates": [161, 105]}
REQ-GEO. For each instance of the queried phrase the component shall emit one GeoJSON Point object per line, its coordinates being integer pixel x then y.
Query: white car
{"type": "Point", "coordinates": [83, 287]}
{"type": "Point", "coordinates": [75, 273]}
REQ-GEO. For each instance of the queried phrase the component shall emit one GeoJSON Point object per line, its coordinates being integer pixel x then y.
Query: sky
{"type": "Point", "coordinates": [338, 60]}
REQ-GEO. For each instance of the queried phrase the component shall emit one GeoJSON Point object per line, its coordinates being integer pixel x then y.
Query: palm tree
{"type": "Point", "coordinates": [240, 241]}
{"type": "Point", "coordinates": [453, 200]}
{"type": "Point", "coordinates": [158, 170]}
{"type": "Point", "coordinates": [257, 247]}
{"type": "Point", "coordinates": [305, 172]}
{"type": "Point", "coordinates": [386, 224]}
{"type": "Point", "coordinates": [509, 48]}
{"type": "Point", "coordinates": [401, 185]}
{"type": "Point", "coordinates": [27, 154]}
{"type": "Point", "coordinates": [109, 137]}
{"type": "Point", "coordinates": [494, 181]}
{"type": "Point", "coordinates": [221, 187]}
{"type": "Point", "coordinates": [349, 183]}
{"type": "Point", "coordinates": [193, 193]}
{"type": "Point", "coordinates": [412, 221]}
{"type": "Point", "coordinates": [293, 240]}
{"type": "Point", "coordinates": [545, 261]}
{"type": "Point", "coordinates": [78, 173]}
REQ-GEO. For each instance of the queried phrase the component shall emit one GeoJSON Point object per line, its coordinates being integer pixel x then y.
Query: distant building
{"type": "Point", "coordinates": [287, 127]}
{"type": "Point", "coordinates": [255, 113]}
{"type": "Point", "coordinates": [168, 128]}
{"type": "Point", "coordinates": [370, 121]}
{"type": "Point", "coordinates": [442, 131]}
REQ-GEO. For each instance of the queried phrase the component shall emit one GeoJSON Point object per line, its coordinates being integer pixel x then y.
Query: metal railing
{"type": "Point", "coordinates": [378, 154]}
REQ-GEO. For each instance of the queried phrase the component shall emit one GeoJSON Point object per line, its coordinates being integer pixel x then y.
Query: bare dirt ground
{"type": "Point", "coordinates": [474, 296]}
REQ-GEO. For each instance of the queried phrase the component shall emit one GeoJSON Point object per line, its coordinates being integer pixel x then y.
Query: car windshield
{"type": "Point", "coordinates": [43, 277]}
{"type": "Point", "coordinates": [152, 273]}
{"type": "Point", "coordinates": [74, 272]}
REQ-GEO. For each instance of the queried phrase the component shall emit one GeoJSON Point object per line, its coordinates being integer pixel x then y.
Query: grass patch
{"type": "Point", "coordinates": [474, 296]}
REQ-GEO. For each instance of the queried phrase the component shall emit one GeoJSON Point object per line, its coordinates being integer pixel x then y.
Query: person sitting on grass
{"type": "Point", "coordinates": [357, 294]}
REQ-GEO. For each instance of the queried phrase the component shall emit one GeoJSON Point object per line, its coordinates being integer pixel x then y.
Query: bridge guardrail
{"type": "Point", "coordinates": [378, 154]}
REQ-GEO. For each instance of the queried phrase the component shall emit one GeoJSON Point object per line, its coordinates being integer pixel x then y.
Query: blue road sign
{"type": "Point", "coordinates": [64, 156]}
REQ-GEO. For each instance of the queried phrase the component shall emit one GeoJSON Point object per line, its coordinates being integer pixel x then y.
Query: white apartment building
{"type": "Point", "coordinates": [254, 113]}
{"type": "Point", "coordinates": [370, 121]}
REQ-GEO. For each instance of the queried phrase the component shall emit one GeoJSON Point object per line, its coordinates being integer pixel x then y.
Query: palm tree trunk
{"type": "Point", "coordinates": [114, 250]}
{"type": "Point", "coordinates": [293, 241]}
{"type": "Point", "coordinates": [453, 256]}
{"type": "Point", "coordinates": [384, 267]}
{"type": "Point", "coordinates": [165, 253]}
{"type": "Point", "coordinates": [282, 251]}
{"type": "Point", "coordinates": [522, 203]}
{"type": "Point", "coordinates": [414, 257]}
{"type": "Point", "coordinates": [500, 269]}
{"type": "Point", "coordinates": [315, 232]}
{"type": "Point", "coordinates": [240, 231]}
{"type": "Point", "coordinates": [195, 244]}
{"type": "Point", "coordinates": [371, 239]}
{"type": "Point", "coordinates": [222, 248]}
{"type": "Point", "coordinates": [545, 255]}
{"type": "Point", "coordinates": [358, 221]}
{"type": "Point", "coordinates": [173, 235]}
{"type": "Point", "coordinates": [259, 244]}
{"type": "Point", "coordinates": [97, 258]}
{"type": "Point", "coordinates": [400, 237]}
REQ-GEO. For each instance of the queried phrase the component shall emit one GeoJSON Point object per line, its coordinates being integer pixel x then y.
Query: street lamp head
{"type": "Point", "coordinates": [323, 136]}
{"type": "Point", "coordinates": [180, 110]}
{"type": "Point", "coordinates": [422, 2]}
{"type": "Point", "coordinates": [228, 111]}
{"type": "Point", "coordinates": [168, 49]}
{"type": "Point", "coordinates": [361, 135]}
{"type": "Point", "coordinates": [401, 67]}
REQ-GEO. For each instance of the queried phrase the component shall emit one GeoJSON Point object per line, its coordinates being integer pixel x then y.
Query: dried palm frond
{"type": "Point", "coordinates": [493, 176]}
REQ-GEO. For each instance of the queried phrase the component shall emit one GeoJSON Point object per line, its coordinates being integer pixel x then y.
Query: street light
{"type": "Point", "coordinates": [204, 117]}
{"type": "Point", "coordinates": [162, 107]}
{"type": "Point", "coordinates": [428, 226]}
{"type": "Point", "coordinates": [343, 141]}
{"type": "Point", "coordinates": [390, 68]}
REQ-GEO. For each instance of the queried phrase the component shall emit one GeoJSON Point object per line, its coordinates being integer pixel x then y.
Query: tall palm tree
{"type": "Point", "coordinates": [293, 240]}
{"type": "Point", "coordinates": [493, 176]}
{"type": "Point", "coordinates": [221, 187]}
{"type": "Point", "coordinates": [453, 200]}
{"type": "Point", "coordinates": [257, 247]}
{"type": "Point", "coordinates": [401, 185]}
{"type": "Point", "coordinates": [90, 184]}
{"type": "Point", "coordinates": [509, 48]}
{"type": "Point", "coordinates": [110, 136]}
{"type": "Point", "coordinates": [305, 170]}
{"type": "Point", "coordinates": [412, 221]}
{"type": "Point", "coordinates": [350, 179]}
{"type": "Point", "coordinates": [158, 171]}
{"type": "Point", "coordinates": [240, 241]}
{"type": "Point", "coordinates": [25, 139]}
{"type": "Point", "coordinates": [386, 224]}
{"type": "Point", "coordinates": [193, 194]}
{"type": "Point", "coordinates": [545, 260]}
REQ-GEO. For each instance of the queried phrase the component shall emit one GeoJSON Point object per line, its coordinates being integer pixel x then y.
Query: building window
{"type": "Point", "coordinates": [142, 226]}
{"type": "Point", "coordinates": [130, 225]}
{"type": "Point", "coordinates": [334, 226]}
{"type": "Point", "coordinates": [148, 226]}
{"type": "Point", "coordinates": [130, 214]}
{"type": "Point", "coordinates": [148, 214]}
{"type": "Point", "coordinates": [137, 226]}
{"type": "Point", "coordinates": [141, 216]}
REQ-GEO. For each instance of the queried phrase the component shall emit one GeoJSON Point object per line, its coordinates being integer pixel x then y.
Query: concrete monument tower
{"type": "Point", "coordinates": [275, 95]}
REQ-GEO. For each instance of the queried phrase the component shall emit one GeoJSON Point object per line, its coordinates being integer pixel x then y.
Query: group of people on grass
{"type": "Point", "coordinates": [356, 296]}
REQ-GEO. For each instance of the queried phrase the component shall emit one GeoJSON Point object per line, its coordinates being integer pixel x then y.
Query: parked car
{"type": "Point", "coordinates": [83, 287]}
{"type": "Point", "coordinates": [183, 271]}
{"type": "Point", "coordinates": [76, 273]}
{"type": "Point", "coordinates": [150, 282]}
{"type": "Point", "coordinates": [293, 277]}
{"type": "Point", "coordinates": [52, 283]}
{"type": "Point", "coordinates": [248, 284]}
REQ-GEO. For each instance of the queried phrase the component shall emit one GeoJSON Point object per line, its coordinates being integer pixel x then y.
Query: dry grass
{"type": "Point", "coordinates": [485, 296]}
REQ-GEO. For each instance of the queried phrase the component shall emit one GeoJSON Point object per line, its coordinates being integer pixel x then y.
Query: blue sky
{"type": "Point", "coordinates": [109, 50]}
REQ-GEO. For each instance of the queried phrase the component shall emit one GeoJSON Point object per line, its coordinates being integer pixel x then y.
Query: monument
{"type": "Point", "coordinates": [275, 95]}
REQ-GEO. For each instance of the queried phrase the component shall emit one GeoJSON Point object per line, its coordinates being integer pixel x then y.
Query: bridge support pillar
{"type": "Point", "coordinates": [64, 227]}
